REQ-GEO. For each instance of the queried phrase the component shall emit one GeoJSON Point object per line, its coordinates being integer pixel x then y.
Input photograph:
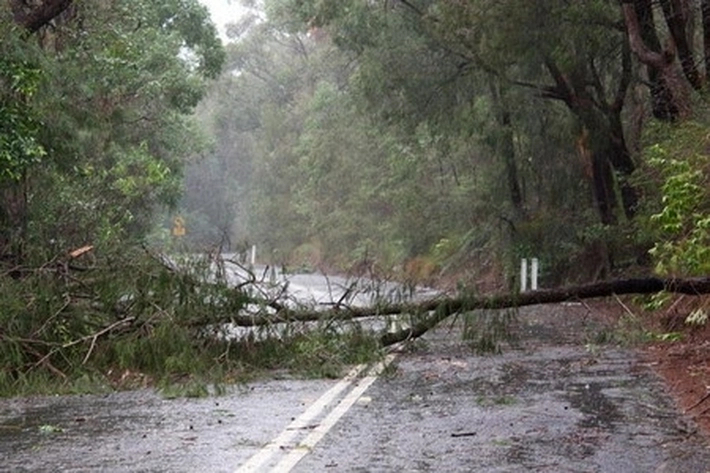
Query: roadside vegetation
{"type": "Point", "coordinates": [160, 324]}
{"type": "Point", "coordinates": [423, 142]}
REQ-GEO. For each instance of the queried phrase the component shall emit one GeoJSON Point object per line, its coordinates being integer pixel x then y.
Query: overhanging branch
{"type": "Point", "coordinates": [35, 17]}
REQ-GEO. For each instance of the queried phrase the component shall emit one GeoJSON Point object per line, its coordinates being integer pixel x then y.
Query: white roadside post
{"type": "Point", "coordinates": [534, 268]}
{"type": "Point", "coordinates": [252, 259]}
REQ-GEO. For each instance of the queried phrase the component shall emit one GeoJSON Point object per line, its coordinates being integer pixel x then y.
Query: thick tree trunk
{"type": "Point", "coordinates": [611, 164]}
{"type": "Point", "coordinates": [623, 164]}
{"type": "Point", "coordinates": [676, 13]}
{"type": "Point", "coordinates": [603, 144]}
{"type": "Point", "coordinates": [604, 193]}
{"type": "Point", "coordinates": [669, 91]}
{"type": "Point", "coordinates": [506, 149]}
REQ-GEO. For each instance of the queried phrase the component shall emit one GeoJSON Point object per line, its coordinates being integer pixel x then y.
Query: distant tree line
{"type": "Point", "coordinates": [431, 135]}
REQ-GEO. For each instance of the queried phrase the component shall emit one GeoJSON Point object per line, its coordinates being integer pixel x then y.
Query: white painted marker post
{"type": "Point", "coordinates": [534, 268]}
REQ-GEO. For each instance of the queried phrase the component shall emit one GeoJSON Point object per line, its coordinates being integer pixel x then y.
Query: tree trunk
{"type": "Point", "coordinates": [623, 164]}
{"type": "Point", "coordinates": [438, 311]}
{"type": "Point", "coordinates": [429, 313]}
{"type": "Point", "coordinates": [670, 96]}
{"type": "Point", "coordinates": [13, 223]}
{"type": "Point", "coordinates": [610, 154]}
{"type": "Point", "coordinates": [604, 146]}
{"type": "Point", "coordinates": [599, 171]}
{"type": "Point", "coordinates": [676, 13]}
{"type": "Point", "coordinates": [505, 145]}
{"type": "Point", "coordinates": [705, 22]}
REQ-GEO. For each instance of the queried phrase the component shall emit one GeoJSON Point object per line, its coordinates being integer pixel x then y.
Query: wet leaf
{"type": "Point", "coordinates": [50, 429]}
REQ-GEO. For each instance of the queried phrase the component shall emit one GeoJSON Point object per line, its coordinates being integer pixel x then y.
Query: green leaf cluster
{"type": "Point", "coordinates": [19, 121]}
{"type": "Point", "coordinates": [96, 120]}
{"type": "Point", "coordinates": [366, 133]}
{"type": "Point", "coordinates": [682, 224]}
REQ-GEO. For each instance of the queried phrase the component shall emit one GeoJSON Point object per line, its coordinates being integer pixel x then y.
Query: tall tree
{"type": "Point", "coordinates": [518, 43]}
{"type": "Point", "coordinates": [110, 113]}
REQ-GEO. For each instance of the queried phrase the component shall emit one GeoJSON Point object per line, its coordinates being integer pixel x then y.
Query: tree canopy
{"type": "Point", "coordinates": [514, 124]}
{"type": "Point", "coordinates": [96, 102]}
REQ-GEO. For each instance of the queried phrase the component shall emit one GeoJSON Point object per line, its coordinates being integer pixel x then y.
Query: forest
{"type": "Point", "coordinates": [453, 138]}
{"type": "Point", "coordinates": [432, 142]}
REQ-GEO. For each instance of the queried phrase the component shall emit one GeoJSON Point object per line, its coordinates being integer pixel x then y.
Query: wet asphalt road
{"type": "Point", "coordinates": [554, 403]}
{"type": "Point", "coordinates": [549, 403]}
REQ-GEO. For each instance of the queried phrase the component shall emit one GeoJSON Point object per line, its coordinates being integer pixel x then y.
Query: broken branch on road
{"type": "Point", "coordinates": [433, 311]}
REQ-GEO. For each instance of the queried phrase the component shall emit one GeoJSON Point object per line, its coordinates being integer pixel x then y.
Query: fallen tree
{"type": "Point", "coordinates": [690, 286]}
{"type": "Point", "coordinates": [86, 314]}
{"type": "Point", "coordinates": [427, 314]}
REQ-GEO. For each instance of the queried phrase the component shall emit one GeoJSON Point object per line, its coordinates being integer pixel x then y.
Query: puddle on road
{"type": "Point", "coordinates": [590, 399]}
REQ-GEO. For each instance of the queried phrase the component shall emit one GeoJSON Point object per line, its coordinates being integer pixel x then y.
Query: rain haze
{"type": "Point", "coordinates": [224, 12]}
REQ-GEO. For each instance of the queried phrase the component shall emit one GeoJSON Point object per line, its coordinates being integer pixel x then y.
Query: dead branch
{"type": "Point", "coordinates": [45, 359]}
{"type": "Point", "coordinates": [95, 336]}
{"type": "Point", "coordinates": [80, 251]}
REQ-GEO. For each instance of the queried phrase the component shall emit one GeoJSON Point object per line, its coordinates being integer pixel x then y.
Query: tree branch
{"type": "Point", "coordinates": [412, 7]}
{"type": "Point", "coordinates": [626, 76]}
{"type": "Point", "coordinates": [633, 30]}
{"type": "Point", "coordinates": [676, 19]}
{"type": "Point", "coordinates": [433, 311]}
{"type": "Point", "coordinates": [563, 87]}
{"type": "Point", "coordinates": [34, 18]}
{"type": "Point", "coordinates": [691, 286]}
{"type": "Point", "coordinates": [705, 14]}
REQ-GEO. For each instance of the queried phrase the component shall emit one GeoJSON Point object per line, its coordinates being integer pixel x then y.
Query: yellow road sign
{"type": "Point", "coordinates": [179, 226]}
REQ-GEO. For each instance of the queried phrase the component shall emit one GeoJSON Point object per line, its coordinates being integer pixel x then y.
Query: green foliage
{"type": "Point", "coordinates": [390, 134]}
{"type": "Point", "coordinates": [69, 326]}
{"type": "Point", "coordinates": [74, 328]}
{"type": "Point", "coordinates": [323, 351]}
{"type": "Point", "coordinates": [114, 130]}
{"type": "Point", "coordinates": [682, 224]}
{"type": "Point", "coordinates": [19, 122]}
{"type": "Point", "coordinates": [698, 316]}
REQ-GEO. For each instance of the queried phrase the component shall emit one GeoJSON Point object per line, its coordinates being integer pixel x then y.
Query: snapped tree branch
{"type": "Point", "coordinates": [429, 313]}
